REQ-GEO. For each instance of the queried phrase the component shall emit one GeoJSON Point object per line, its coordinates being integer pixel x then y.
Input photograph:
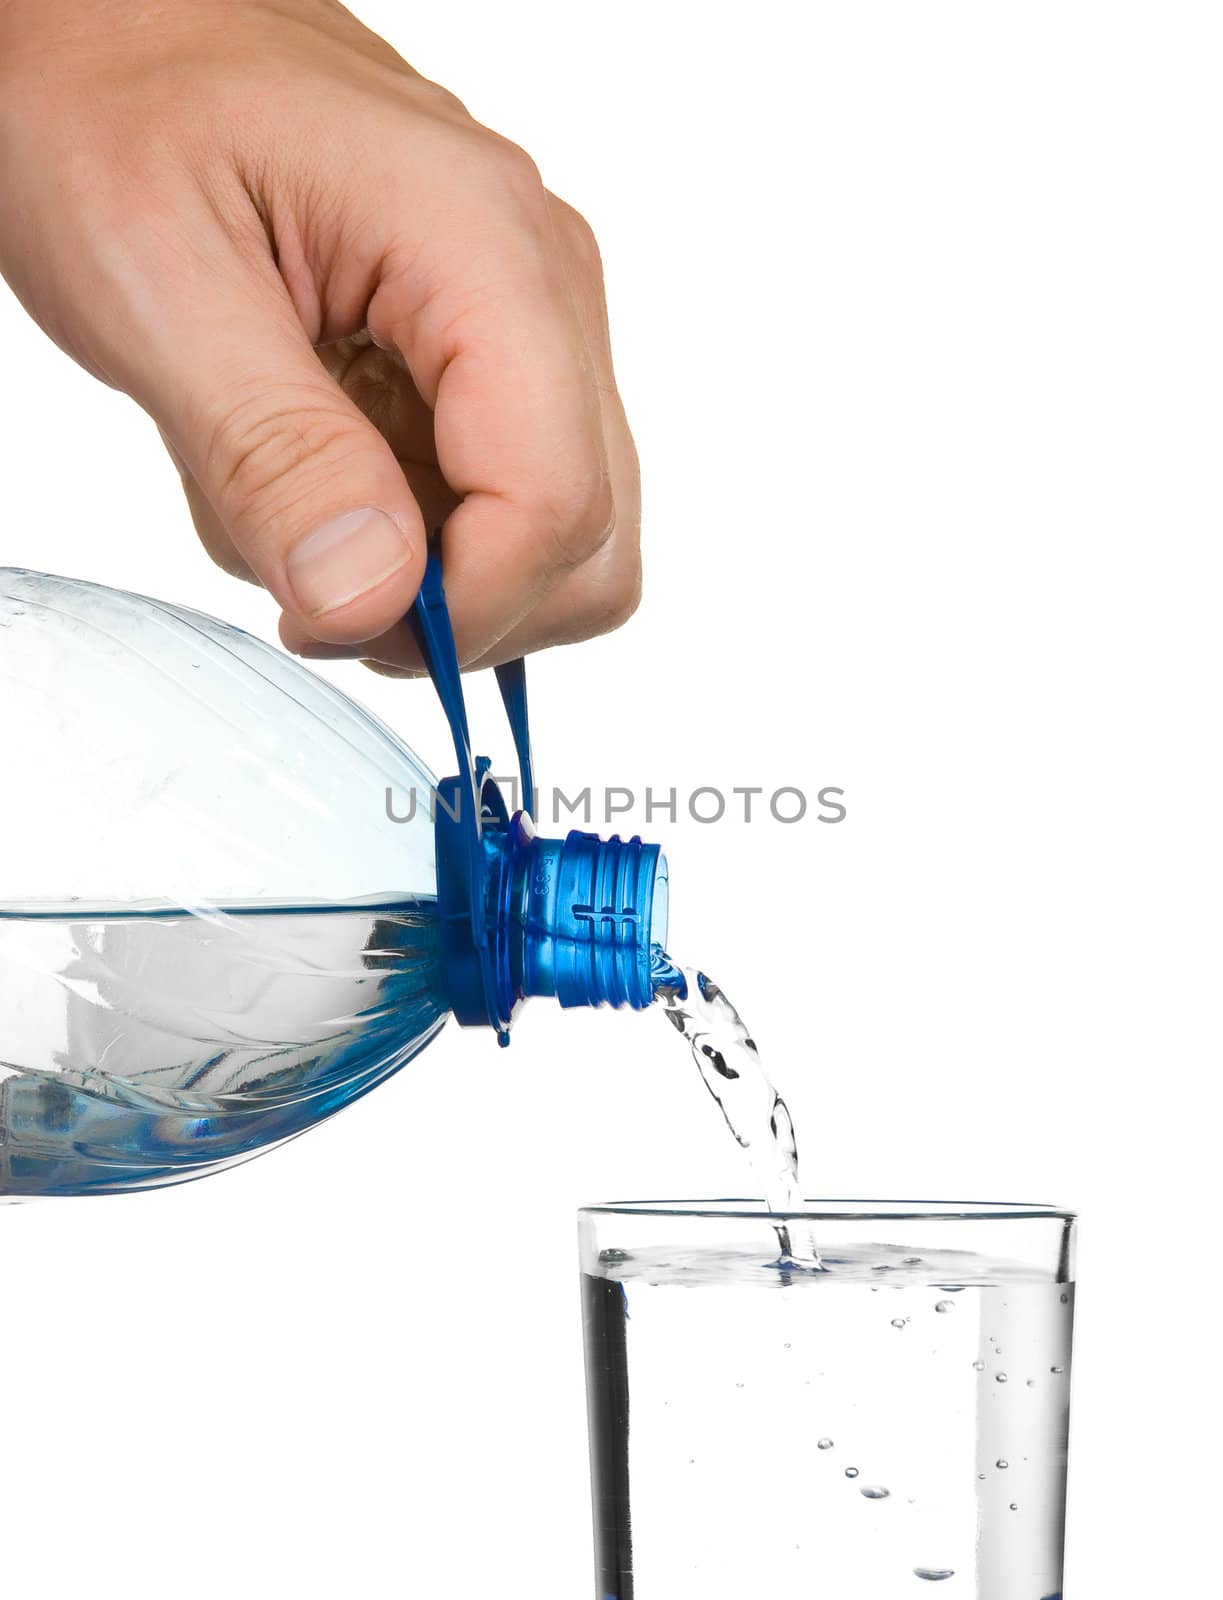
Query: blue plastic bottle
{"type": "Point", "coordinates": [232, 901]}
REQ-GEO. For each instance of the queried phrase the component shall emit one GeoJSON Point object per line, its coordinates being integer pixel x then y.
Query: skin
{"type": "Point", "coordinates": [339, 297]}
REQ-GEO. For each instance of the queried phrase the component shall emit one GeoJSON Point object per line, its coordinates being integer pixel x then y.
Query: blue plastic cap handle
{"type": "Point", "coordinates": [576, 918]}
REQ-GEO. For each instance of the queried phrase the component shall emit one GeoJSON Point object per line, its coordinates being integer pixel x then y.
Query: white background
{"type": "Point", "coordinates": [918, 320]}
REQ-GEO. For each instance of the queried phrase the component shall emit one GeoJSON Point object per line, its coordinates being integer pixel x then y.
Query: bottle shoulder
{"type": "Point", "coordinates": [163, 754]}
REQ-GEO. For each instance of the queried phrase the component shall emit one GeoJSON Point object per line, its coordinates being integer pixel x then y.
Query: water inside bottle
{"type": "Point", "coordinates": [150, 1045]}
{"type": "Point", "coordinates": [144, 1046]}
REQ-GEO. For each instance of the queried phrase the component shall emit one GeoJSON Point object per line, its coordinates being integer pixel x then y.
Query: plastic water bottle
{"type": "Point", "coordinates": [232, 901]}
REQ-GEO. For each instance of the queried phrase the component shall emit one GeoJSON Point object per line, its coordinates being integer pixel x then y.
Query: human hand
{"type": "Point", "coordinates": [353, 312]}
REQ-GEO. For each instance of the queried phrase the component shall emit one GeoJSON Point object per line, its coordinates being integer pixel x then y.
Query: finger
{"type": "Point", "coordinates": [604, 590]}
{"type": "Point", "coordinates": [596, 600]}
{"type": "Point", "coordinates": [213, 535]}
{"type": "Point", "coordinates": [300, 483]}
{"type": "Point", "coordinates": [216, 542]}
{"type": "Point", "coordinates": [500, 354]}
{"type": "Point", "coordinates": [599, 597]}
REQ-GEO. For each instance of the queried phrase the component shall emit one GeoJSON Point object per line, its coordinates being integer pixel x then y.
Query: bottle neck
{"type": "Point", "coordinates": [578, 918]}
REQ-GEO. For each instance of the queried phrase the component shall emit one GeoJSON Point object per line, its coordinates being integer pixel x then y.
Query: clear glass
{"type": "Point", "coordinates": [897, 1420]}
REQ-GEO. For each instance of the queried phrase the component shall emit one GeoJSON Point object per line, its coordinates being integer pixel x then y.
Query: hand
{"type": "Point", "coordinates": [354, 313]}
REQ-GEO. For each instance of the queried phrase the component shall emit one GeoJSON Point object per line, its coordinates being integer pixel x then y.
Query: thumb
{"type": "Point", "coordinates": [307, 490]}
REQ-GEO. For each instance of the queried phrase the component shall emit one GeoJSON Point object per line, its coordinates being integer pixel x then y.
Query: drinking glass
{"type": "Point", "coordinates": [891, 1417]}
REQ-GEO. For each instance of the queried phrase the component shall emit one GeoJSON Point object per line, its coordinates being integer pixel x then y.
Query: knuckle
{"type": "Point", "coordinates": [266, 444]}
{"type": "Point", "coordinates": [615, 598]}
{"type": "Point", "coordinates": [445, 103]}
{"type": "Point", "coordinates": [516, 172]}
{"type": "Point", "coordinates": [580, 518]}
{"type": "Point", "coordinates": [578, 237]}
{"type": "Point", "coordinates": [624, 601]}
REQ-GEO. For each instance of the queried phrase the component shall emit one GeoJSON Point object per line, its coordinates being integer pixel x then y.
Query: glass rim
{"type": "Point", "coordinates": [719, 1210]}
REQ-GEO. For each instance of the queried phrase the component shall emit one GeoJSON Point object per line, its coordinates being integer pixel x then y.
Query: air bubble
{"type": "Point", "coordinates": [824, 1444]}
{"type": "Point", "coordinates": [1002, 1464]}
{"type": "Point", "coordinates": [1014, 1505]}
{"type": "Point", "coordinates": [934, 1574]}
{"type": "Point", "coordinates": [978, 1366]}
{"type": "Point", "coordinates": [875, 1491]}
{"type": "Point", "coordinates": [1058, 1370]}
{"type": "Point", "coordinates": [851, 1472]}
{"type": "Point", "coordinates": [1000, 1377]}
{"type": "Point", "coordinates": [1065, 1299]}
{"type": "Point", "coordinates": [898, 1322]}
{"type": "Point", "coordinates": [944, 1306]}
{"type": "Point", "coordinates": [1031, 1383]}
